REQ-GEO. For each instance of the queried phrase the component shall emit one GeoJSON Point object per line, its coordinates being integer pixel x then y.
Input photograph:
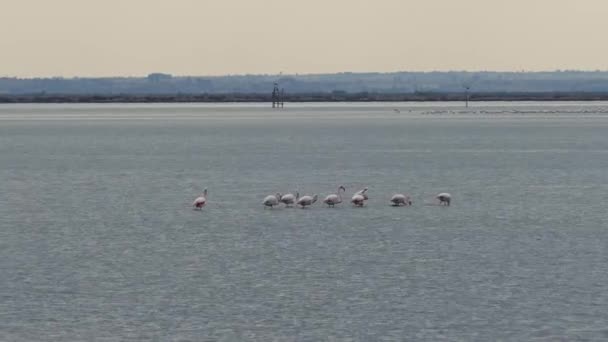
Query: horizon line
{"type": "Point", "coordinates": [281, 74]}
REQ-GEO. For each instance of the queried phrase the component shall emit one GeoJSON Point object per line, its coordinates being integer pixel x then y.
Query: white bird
{"type": "Point", "coordinates": [401, 199]}
{"type": "Point", "coordinates": [306, 201]}
{"type": "Point", "coordinates": [358, 200]}
{"type": "Point", "coordinates": [200, 202]}
{"type": "Point", "coordinates": [362, 193]}
{"type": "Point", "coordinates": [334, 199]}
{"type": "Point", "coordinates": [444, 198]}
{"type": "Point", "coordinates": [289, 199]}
{"type": "Point", "coordinates": [271, 200]}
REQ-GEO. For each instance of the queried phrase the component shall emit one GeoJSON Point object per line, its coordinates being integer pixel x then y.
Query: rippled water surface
{"type": "Point", "coordinates": [98, 240]}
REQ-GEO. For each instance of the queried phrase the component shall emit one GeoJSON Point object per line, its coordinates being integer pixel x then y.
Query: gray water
{"type": "Point", "coordinates": [98, 241]}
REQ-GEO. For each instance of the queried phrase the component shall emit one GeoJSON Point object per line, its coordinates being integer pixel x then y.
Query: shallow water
{"type": "Point", "coordinates": [98, 240]}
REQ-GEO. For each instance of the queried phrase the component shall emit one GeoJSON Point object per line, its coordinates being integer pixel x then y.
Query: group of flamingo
{"type": "Point", "coordinates": [358, 199]}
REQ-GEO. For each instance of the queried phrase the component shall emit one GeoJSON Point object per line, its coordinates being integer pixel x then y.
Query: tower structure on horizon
{"type": "Point", "coordinates": [277, 96]}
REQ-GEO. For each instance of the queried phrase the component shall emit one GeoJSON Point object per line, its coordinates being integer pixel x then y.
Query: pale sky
{"type": "Point", "coordinates": [215, 37]}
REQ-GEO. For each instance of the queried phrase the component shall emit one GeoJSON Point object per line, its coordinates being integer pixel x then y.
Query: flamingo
{"type": "Point", "coordinates": [334, 199]}
{"type": "Point", "coordinates": [444, 198]}
{"type": "Point", "coordinates": [305, 201]}
{"type": "Point", "coordinates": [272, 200]}
{"type": "Point", "coordinates": [289, 199]}
{"type": "Point", "coordinates": [200, 201]}
{"type": "Point", "coordinates": [362, 193]}
{"type": "Point", "coordinates": [358, 199]}
{"type": "Point", "coordinates": [400, 199]}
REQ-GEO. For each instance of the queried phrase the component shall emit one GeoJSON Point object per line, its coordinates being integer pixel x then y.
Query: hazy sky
{"type": "Point", "coordinates": [211, 37]}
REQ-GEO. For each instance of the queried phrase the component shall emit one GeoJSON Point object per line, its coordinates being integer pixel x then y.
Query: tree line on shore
{"type": "Point", "coordinates": [303, 97]}
{"type": "Point", "coordinates": [399, 84]}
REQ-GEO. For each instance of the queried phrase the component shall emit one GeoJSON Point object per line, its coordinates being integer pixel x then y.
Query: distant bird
{"type": "Point", "coordinates": [444, 198]}
{"type": "Point", "coordinates": [305, 201]}
{"type": "Point", "coordinates": [362, 193]}
{"type": "Point", "coordinates": [200, 202]}
{"type": "Point", "coordinates": [289, 199]}
{"type": "Point", "coordinates": [400, 199]}
{"type": "Point", "coordinates": [359, 198]}
{"type": "Point", "coordinates": [271, 200]}
{"type": "Point", "coordinates": [333, 199]}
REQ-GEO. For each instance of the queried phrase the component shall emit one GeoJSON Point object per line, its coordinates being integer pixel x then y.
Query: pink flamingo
{"type": "Point", "coordinates": [272, 200]}
{"type": "Point", "coordinates": [333, 199]}
{"type": "Point", "coordinates": [307, 200]}
{"type": "Point", "coordinates": [363, 193]}
{"type": "Point", "coordinates": [200, 202]}
{"type": "Point", "coordinates": [444, 198]}
{"type": "Point", "coordinates": [289, 199]}
{"type": "Point", "coordinates": [400, 199]}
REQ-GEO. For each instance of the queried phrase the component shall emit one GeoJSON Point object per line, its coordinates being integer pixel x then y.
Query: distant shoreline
{"type": "Point", "coordinates": [303, 97]}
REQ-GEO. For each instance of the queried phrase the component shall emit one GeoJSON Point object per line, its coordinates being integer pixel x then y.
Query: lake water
{"type": "Point", "coordinates": [98, 241]}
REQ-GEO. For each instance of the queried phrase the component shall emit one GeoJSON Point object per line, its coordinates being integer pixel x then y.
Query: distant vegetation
{"type": "Point", "coordinates": [398, 86]}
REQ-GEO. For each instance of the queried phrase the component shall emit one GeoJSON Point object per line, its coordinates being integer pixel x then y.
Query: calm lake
{"type": "Point", "coordinates": [99, 242]}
